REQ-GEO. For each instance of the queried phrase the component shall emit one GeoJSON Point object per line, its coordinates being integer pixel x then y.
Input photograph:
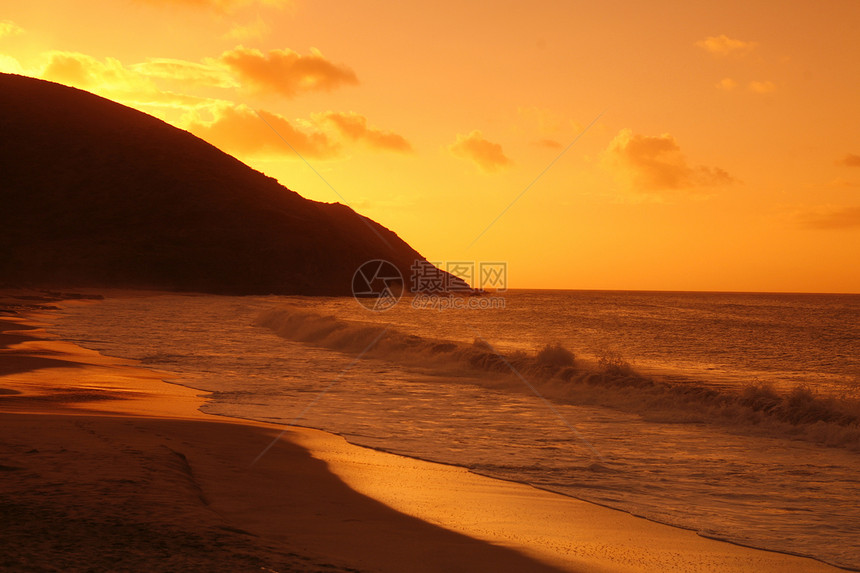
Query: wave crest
{"type": "Point", "coordinates": [560, 376]}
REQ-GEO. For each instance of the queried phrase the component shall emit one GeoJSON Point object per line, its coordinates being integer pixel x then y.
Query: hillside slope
{"type": "Point", "coordinates": [93, 193]}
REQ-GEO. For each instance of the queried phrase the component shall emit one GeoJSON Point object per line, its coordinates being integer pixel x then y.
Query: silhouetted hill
{"type": "Point", "coordinates": [93, 193]}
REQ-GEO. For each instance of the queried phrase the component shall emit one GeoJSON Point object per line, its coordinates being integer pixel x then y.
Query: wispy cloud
{"type": "Point", "coordinates": [9, 65]}
{"type": "Point", "coordinates": [255, 30]}
{"type": "Point", "coordinates": [850, 160]}
{"type": "Point", "coordinates": [238, 130]}
{"type": "Point", "coordinates": [110, 79]}
{"type": "Point", "coordinates": [764, 87]}
{"type": "Point", "coordinates": [190, 73]}
{"type": "Point", "coordinates": [234, 128]}
{"type": "Point", "coordinates": [485, 154]}
{"type": "Point", "coordinates": [655, 164]}
{"type": "Point", "coordinates": [727, 84]}
{"type": "Point", "coordinates": [354, 126]}
{"type": "Point", "coordinates": [286, 72]}
{"type": "Point", "coordinates": [545, 121]}
{"type": "Point", "coordinates": [829, 217]}
{"type": "Point", "coordinates": [283, 72]}
{"type": "Point", "coordinates": [722, 45]}
{"type": "Point", "coordinates": [548, 143]}
{"type": "Point", "coordinates": [9, 28]}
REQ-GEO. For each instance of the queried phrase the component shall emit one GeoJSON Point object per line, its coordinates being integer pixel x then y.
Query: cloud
{"type": "Point", "coordinates": [830, 217]}
{"type": "Point", "coordinates": [280, 71]}
{"type": "Point", "coordinates": [110, 79]}
{"type": "Point", "coordinates": [164, 82]}
{"type": "Point", "coordinates": [850, 160]}
{"type": "Point", "coordinates": [187, 72]}
{"type": "Point", "coordinates": [546, 126]}
{"type": "Point", "coordinates": [9, 28]}
{"type": "Point", "coordinates": [548, 143]}
{"type": "Point", "coordinates": [237, 129]}
{"type": "Point", "coordinates": [255, 30]}
{"type": "Point", "coordinates": [9, 65]}
{"type": "Point", "coordinates": [354, 126]}
{"type": "Point", "coordinates": [546, 121]}
{"type": "Point", "coordinates": [727, 84]}
{"type": "Point", "coordinates": [656, 164]}
{"type": "Point", "coordinates": [722, 45]}
{"type": "Point", "coordinates": [486, 154]}
{"type": "Point", "coordinates": [762, 87]}
{"type": "Point", "coordinates": [82, 71]}
{"type": "Point", "coordinates": [234, 128]}
{"type": "Point", "coordinates": [286, 72]}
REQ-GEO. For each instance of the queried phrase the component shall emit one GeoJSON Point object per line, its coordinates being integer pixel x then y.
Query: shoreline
{"type": "Point", "coordinates": [498, 523]}
{"type": "Point", "coordinates": [536, 487]}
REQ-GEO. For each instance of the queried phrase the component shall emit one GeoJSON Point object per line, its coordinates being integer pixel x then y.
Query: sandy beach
{"type": "Point", "coordinates": [106, 467]}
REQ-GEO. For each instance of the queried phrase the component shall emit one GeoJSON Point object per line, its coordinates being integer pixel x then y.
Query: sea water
{"type": "Point", "coordinates": [401, 381]}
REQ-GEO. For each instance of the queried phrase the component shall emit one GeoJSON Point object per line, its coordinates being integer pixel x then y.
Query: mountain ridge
{"type": "Point", "coordinates": [95, 193]}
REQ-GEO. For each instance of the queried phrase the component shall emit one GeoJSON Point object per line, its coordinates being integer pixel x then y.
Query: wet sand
{"type": "Point", "coordinates": [103, 466]}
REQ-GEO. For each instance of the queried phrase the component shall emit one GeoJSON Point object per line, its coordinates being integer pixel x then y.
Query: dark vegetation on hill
{"type": "Point", "coordinates": [93, 193]}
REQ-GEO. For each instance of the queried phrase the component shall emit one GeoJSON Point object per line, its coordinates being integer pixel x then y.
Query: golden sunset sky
{"type": "Point", "coordinates": [727, 155]}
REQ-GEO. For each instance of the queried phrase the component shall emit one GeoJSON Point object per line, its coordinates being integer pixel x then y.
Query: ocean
{"type": "Point", "coordinates": [731, 414]}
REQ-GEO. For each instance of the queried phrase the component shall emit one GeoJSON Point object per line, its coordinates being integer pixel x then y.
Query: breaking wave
{"type": "Point", "coordinates": [609, 381]}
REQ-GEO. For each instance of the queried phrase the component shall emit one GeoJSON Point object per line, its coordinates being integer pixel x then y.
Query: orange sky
{"type": "Point", "coordinates": [727, 156]}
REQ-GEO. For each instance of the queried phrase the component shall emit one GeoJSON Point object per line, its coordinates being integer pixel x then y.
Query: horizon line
{"type": "Point", "coordinates": [509, 289]}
